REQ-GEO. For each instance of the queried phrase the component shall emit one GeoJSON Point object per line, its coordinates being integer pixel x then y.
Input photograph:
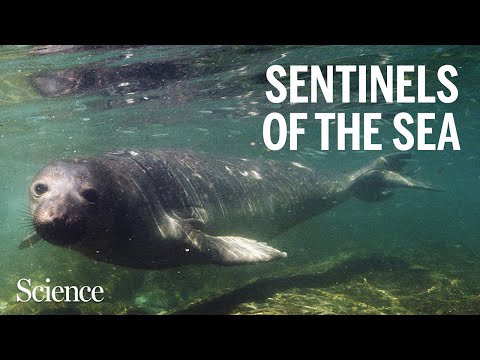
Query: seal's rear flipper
{"type": "Point", "coordinates": [372, 182]}
{"type": "Point", "coordinates": [29, 241]}
{"type": "Point", "coordinates": [233, 250]}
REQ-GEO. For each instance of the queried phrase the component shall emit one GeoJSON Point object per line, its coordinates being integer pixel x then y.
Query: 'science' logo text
{"type": "Point", "coordinates": [47, 293]}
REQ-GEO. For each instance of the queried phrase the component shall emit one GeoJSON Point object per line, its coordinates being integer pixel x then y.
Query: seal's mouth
{"type": "Point", "coordinates": [61, 232]}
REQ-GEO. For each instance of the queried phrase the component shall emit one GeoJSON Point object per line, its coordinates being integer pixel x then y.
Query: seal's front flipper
{"type": "Point", "coordinates": [371, 183]}
{"type": "Point", "coordinates": [29, 241]}
{"type": "Point", "coordinates": [233, 250]}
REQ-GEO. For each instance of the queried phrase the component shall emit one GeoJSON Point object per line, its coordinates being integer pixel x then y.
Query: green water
{"type": "Point", "coordinates": [417, 253]}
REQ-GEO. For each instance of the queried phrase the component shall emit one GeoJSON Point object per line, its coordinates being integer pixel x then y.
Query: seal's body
{"type": "Point", "coordinates": [154, 209]}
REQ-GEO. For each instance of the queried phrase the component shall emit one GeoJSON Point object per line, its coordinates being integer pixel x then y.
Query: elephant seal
{"type": "Point", "coordinates": [54, 49]}
{"type": "Point", "coordinates": [109, 80]}
{"type": "Point", "coordinates": [157, 209]}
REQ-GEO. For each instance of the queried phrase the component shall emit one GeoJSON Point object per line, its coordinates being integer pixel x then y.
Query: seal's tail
{"type": "Point", "coordinates": [372, 182]}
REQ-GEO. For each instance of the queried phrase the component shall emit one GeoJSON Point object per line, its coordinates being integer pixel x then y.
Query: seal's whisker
{"type": "Point", "coordinates": [25, 222]}
{"type": "Point", "coordinates": [25, 211]}
{"type": "Point", "coordinates": [26, 217]}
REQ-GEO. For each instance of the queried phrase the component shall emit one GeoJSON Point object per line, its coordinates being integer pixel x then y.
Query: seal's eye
{"type": "Point", "coordinates": [91, 195]}
{"type": "Point", "coordinates": [40, 189]}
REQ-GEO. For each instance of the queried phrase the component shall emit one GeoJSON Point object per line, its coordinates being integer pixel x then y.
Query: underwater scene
{"type": "Point", "coordinates": [136, 181]}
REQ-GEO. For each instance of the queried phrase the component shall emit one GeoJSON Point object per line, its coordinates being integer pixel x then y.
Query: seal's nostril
{"type": "Point", "coordinates": [90, 195]}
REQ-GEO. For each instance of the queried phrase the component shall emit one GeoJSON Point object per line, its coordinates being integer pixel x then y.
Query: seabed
{"type": "Point", "coordinates": [435, 278]}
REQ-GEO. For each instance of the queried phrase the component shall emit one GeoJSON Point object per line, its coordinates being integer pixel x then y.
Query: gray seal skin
{"type": "Point", "coordinates": [158, 209]}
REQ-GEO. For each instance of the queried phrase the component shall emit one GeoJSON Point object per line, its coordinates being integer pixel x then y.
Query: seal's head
{"type": "Point", "coordinates": [64, 198]}
{"type": "Point", "coordinates": [62, 82]}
